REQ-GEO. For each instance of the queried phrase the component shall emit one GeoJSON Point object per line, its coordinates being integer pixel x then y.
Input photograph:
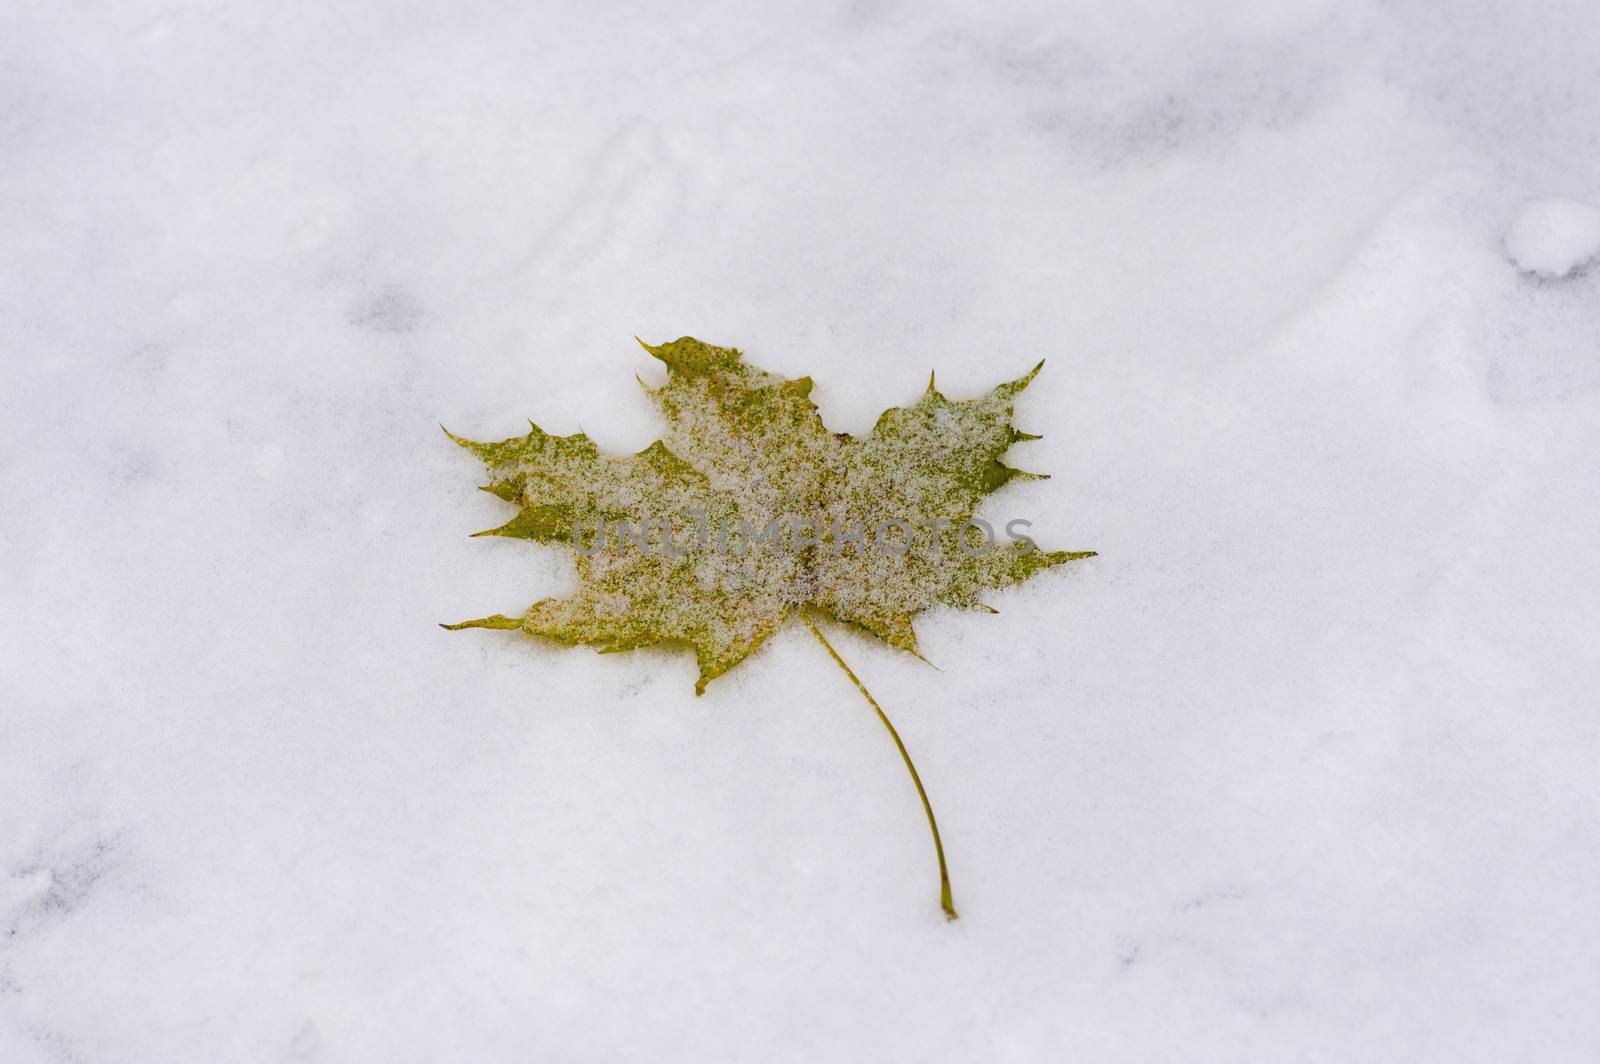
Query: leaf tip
{"type": "Point", "coordinates": [799, 386]}
{"type": "Point", "coordinates": [494, 620]}
{"type": "Point", "coordinates": [1011, 388]}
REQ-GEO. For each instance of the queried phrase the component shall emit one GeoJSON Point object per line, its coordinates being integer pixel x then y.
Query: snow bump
{"type": "Point", "coordinates": [1553, 237]}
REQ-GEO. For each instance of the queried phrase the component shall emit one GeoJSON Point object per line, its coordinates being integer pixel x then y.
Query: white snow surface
{"type": "Point", "coordinates": [1304, 767]}
{"type": "Point", "coordinates": [1553, 237]}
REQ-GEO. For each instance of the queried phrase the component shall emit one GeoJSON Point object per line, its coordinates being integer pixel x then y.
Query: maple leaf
{"type": "Point", "coordinates": [749, 511]}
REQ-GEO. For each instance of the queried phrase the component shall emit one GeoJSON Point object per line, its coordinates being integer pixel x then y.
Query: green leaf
{"type": "Point", "coordinates": [749, 511]}
{"type": "Point", "coordinates": [746, 449]}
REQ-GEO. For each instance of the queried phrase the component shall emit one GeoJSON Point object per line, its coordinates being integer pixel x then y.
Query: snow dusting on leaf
{"type": "Point", "coordinates": [750, 509]}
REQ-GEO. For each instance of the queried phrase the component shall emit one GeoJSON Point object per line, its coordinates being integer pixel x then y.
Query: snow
{"type": "Point", "coordinates": [1552, 237]}
{"type": "Point", "coordinates": [1301, 767]}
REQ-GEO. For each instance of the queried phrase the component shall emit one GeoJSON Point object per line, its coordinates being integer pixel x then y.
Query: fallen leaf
{"type": "Point", "coordinates": [749, 511]}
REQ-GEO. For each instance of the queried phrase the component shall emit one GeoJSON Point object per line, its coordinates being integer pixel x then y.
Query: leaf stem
{"type": "Point", "coordinates": [945, 901]}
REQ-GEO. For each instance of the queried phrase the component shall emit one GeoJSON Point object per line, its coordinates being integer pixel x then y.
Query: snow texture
{"type": "Point", "coordinates": [1553, 237]}
{"type": "Point", "coordinates": [1301, 768]}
